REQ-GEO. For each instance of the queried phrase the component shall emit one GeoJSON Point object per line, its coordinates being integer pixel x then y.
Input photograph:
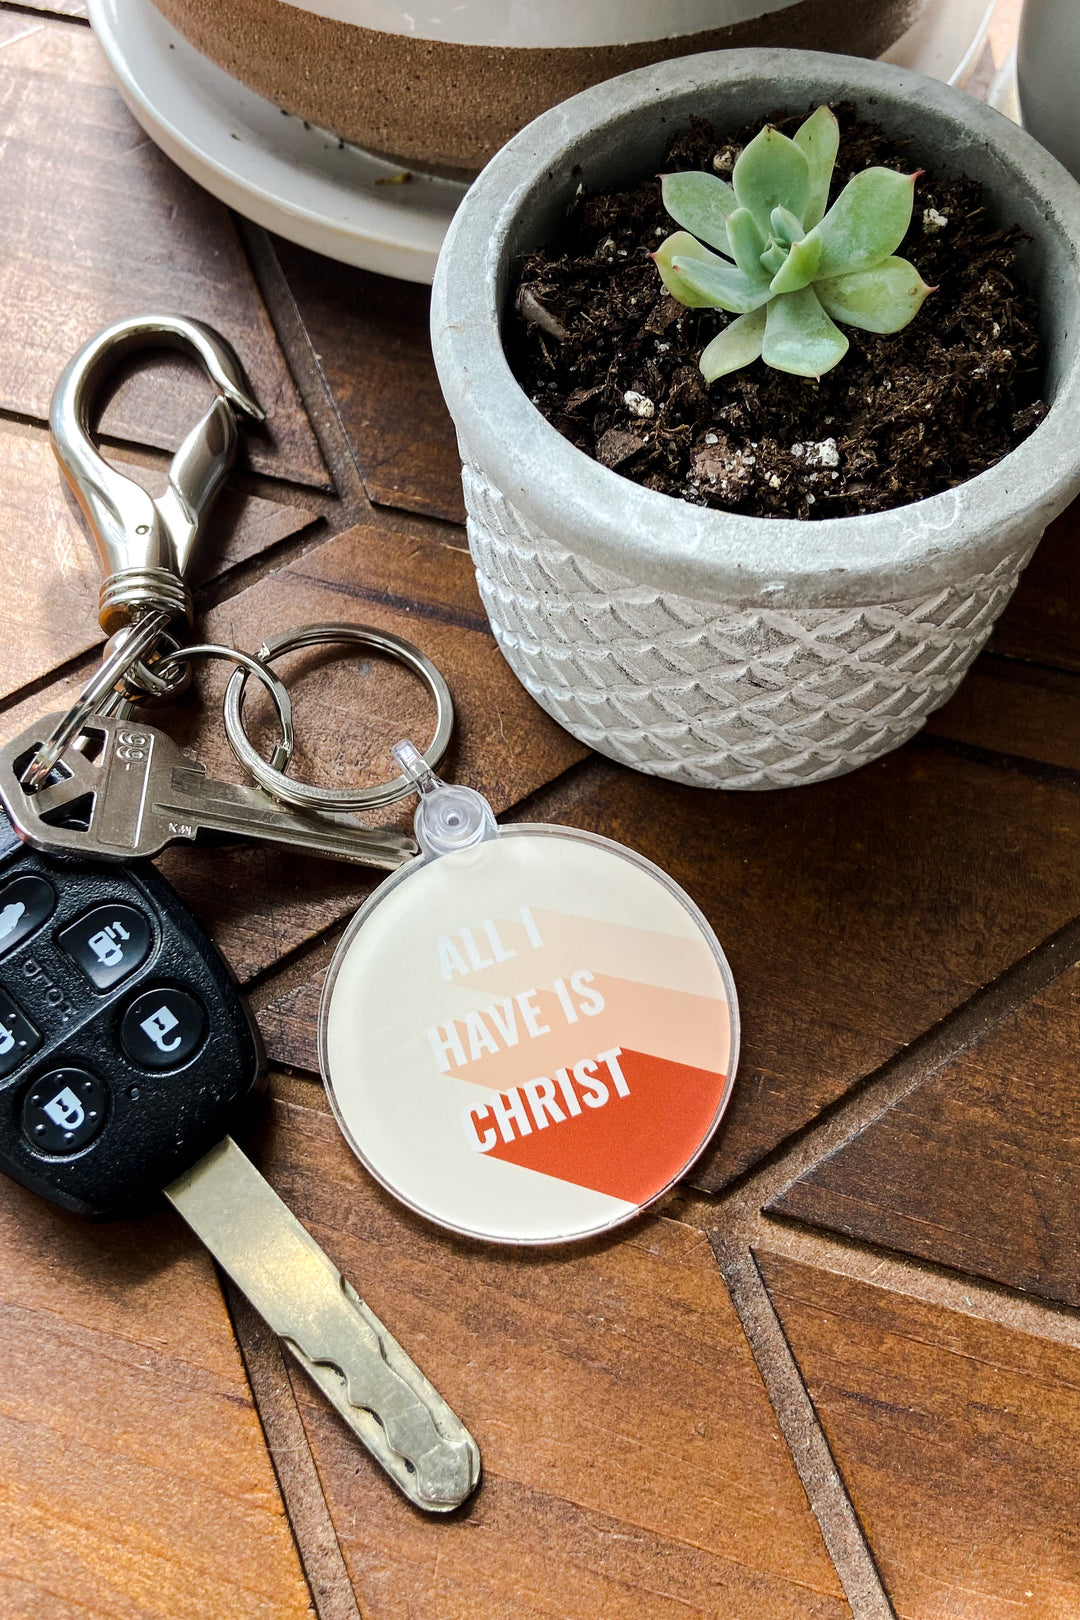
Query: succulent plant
{"type": "Point", "coordinates": [784, 266]}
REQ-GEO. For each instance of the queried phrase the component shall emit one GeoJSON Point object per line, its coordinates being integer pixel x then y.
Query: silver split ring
{"type": "Point", "coordinates": [279, 693]}
{"type": "Point", "coordinates": [305, 795]}
{"type": "Point", "coordinates": [126, 649]}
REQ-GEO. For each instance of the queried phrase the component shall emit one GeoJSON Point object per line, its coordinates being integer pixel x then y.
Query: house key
{"type": "Point", "coordinates": [130, 790]}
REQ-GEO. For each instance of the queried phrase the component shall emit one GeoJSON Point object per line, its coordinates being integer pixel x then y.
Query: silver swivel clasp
{"type": "Point", "coordinates": [146, 544]}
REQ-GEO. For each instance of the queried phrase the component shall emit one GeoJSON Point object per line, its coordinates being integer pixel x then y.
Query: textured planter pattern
{"type": "Point", "coordinates": [717, 697]}
{"type": "Point", "coordinates": [730, 651]}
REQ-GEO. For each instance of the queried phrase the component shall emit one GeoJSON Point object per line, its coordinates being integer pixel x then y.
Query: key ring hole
{"type": "Point", "coordinates": [279, 693]}
{"type": "Point", "coordinates": [156, 367]}
{"type": "Point", "coordinates": [350, 705]}
{"type": "Point", "coordinates": [309, 796]}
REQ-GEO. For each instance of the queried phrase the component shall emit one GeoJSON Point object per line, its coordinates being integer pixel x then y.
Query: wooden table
{"type": "Point", "coordinates": [840, 1374]}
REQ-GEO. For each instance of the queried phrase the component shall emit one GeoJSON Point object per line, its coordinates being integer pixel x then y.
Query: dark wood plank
{"type": "Point", "coordinates": [98, 224]}
{"type": "Point", "coordinates": [957, 1440]}
{"type": "Point", "coordinates": [632, 1465]}
{"type": "Point", "coordinates": [49, 573]}
{"type": "Point", "coordinates": [286, 1006]}
{"type": "Point", "coordinates": [136, 1478]}
{"type": "Point", "coordinates": [855, 913]}
{"type": "Point", "coordinates": [974, 1169]}
{"type": "Point", "coordinates": [371, 336]}
{"type": "Point", "coordinates": [1016, 708]}
{"type": "Point", "coordinates": [1042, 622]}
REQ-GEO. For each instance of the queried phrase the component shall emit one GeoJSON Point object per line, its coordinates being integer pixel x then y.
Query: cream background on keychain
{"type": "Point", "coordinates": [598, 912]}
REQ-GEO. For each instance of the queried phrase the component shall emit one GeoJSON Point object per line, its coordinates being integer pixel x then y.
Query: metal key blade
{"type": "Point", "coordinates": [143, 793]}
{"type": "Point", "coordinates": [340, 1343]}
{"type": "Point", "coordinates": [192, 797]}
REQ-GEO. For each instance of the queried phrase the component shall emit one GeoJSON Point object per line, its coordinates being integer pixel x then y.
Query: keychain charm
{"type": "Point", "coordinates": [529, 1034]}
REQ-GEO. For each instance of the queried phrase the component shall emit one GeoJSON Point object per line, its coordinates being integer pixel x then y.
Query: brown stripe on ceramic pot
{"type": "Point", "coordinates": [448, 89]}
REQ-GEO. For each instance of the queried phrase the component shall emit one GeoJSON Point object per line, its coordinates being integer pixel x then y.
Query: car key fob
{"type": "Point", "coordinates": [126, 1055]}
{"type": "Point", "coordinates": [126, 1049]}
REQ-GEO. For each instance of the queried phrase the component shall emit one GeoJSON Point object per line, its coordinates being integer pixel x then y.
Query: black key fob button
{"type": "Point", "coordinates": [108, 943]}
{"type": "Point", "coordinates": [64, 1110]}
{"type": "Point", "coordinates": [24, 906]}
{"type": "Point", "coordinates": [162, 1028]}
{"type": "Point", "coordinates": [126, 1050]}
{"type": "Point", "coordinates": [18, 1036]}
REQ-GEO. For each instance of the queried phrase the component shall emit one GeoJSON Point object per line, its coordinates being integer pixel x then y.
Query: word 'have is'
{"type": "Point", "coordinates": [504, 1023]}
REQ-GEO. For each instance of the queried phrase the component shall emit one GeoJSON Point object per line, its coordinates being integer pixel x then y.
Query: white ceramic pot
{"type": "Point", "coordinates": [443, 85]}
{"type": "Point", "coordinates": [712, 648]}
{"type": "Point", "coordinates": [1048, 76]}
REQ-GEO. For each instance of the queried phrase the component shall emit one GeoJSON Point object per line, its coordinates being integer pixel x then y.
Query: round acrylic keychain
{"type": "Point", "coordinates": [531, 1032]}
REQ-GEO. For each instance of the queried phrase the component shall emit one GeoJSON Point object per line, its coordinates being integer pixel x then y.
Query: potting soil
{"type": "Point", "coordinates": [611, 359]}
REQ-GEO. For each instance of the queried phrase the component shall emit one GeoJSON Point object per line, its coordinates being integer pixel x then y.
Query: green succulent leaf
{"type": "Point", "coordinates": [738, 345]}
{"type": "Point", "coordinates": [800, 337]}
{"type": "Point", "coordinates": [700, 203]}
{"type": "Point", "coordinates": [883, 298]}
{"type": "Point", "coordinates": [724, 286]}
{"type": "Point", "coordinates": [771, 172]}
{"type": "Point", "coordinates": [687, 247]}
{"type": "Point", "coordinates": [785, 227]}
{"type": "Point", "coordinates": [747, 244]}
{"type": "Point", "coordinates": [774, 258]}
{"type": "Point", "coordinates": [819, 138]}
{"type": "Point", "coordinates": [867, 221]}
{"type": "Point", "coordinates": [799, 268]}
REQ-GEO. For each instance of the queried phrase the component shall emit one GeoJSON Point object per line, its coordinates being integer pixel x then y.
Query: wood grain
{"type": "Point", "coordinates": [286, 1002]}
{"type": "Point", "coordinates": [854, 914]}
{"type": "Point", "coordinates": [63, 8]}
{"type": "Point", "coordinates": [371, 338]}
{"type": "Point", "coordinates": [49, 573]}
{"type": "Point", "coordinates": [136, 1482]}
{"type": "Point", "coordinates": [957, 1440]}
{"type": "Point", "coordinates": [98, 224]}
{"type": "Point", "coordinates": [975, 1169]}
{"type": "Point", "coordinates": [1042, 622]}
{"type": "Point", "coordinates": [1010, 707]}
{"type": "Point", "coordinates": [631, 1462]}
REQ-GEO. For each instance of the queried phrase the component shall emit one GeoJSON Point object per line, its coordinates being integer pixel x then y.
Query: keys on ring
{"type": "Point", "coordinates": [92, 780]}
{"type": "Point", "coordinates": [96, 782]}
{"type": "Point", "coordinates": [131, 790]}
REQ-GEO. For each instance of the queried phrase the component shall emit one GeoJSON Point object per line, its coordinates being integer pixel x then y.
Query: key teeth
{"type": "Point", "coordinates": [440, 1469]}
{"type": "Point", "coordinates": [436, 1485]}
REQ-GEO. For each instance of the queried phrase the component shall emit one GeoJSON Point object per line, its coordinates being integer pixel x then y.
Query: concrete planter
{"type": "Point", "coordinates": [1047, 59]}
{"type": "Point", "coordinates": [442, 86]}
{"type": "Point", "coordinates": [714, 649]}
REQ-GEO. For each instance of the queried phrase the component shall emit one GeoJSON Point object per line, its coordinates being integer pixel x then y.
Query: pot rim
{"type": "Point", "coordinates": [701, 552]}
{"type": "Point", "coordinates": [558, 24]}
